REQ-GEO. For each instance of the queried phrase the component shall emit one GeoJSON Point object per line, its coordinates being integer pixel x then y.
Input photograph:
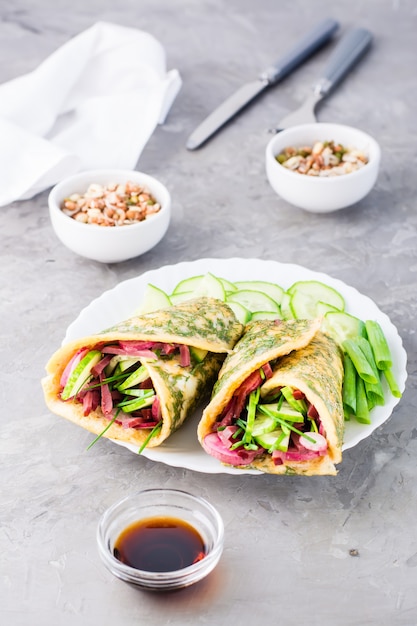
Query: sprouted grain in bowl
{"type": "Point", "coordinates": [324, 158]}
{"type": "Point", "coordinates": [111, 205]}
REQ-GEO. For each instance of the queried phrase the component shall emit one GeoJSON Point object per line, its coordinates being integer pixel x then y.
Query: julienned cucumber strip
{"type": "Point", "coordinates": [298, 405]}
{"type": "Point", "coordinates": [138, 376]}
{"type": "Point", "coordinates": [138, 403]}
{"type": "Point", "coordinates": [81, 374]}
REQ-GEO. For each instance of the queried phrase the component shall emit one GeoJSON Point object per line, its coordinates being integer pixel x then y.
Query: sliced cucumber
{"type": "Point", "coordinates": [274, 440]}
{"type": "Point", "coordinates": [341, 326]}
{"type": "Point", "coordinates": [263, 424]}
{"type": "Point", "coordinates": [243, 315]}
{"type": "Point", "coordinates": [210, 286]}
{"type": "Point", "coordinates": [303, 306]}
{"type": "Point", "coordinates": [138, 376]}
{"type": "Point", "coordinates": [322, 308]}
{"type": "Point", "coordinates": [227, 285]}
{"type": "Point", "coordinates": [272, 290]}
{"type": "Point", "coordinates": [319, 292]}
{"type": "Point", "coordinates": [154, 299]}
{"type": "Point", "coordinates": [266, 315]}
{"type": "Point", "coordinates": [253, 300]}
{"type": "Point", "coordinates": [188, 284]}
{"type": "Point", "coordinates": [81, 374]}
{"type": "Point", "coordinates": [198, 354]}
{"type": "Point", "coordinates": [285, 305]}
{"type": "Point", "coordinates": [182, 296]}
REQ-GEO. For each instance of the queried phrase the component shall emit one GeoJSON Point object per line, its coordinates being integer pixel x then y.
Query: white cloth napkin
{"type": "Point", "coordinates": [93, 103]}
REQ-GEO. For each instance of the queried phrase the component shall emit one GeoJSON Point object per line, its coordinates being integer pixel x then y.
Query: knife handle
{"type": "Point", "coordinates": [320, 34]}
{"type": "Point", "coordinates": [351, 47]}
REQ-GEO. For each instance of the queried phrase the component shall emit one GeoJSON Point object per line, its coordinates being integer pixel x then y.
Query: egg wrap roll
{"type": "Point", "coordinates": [300, 357]}
{"type": "Point", "coordinates": [203, 323]}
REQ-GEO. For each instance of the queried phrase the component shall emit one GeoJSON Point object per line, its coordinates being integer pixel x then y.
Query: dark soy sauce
{"type": "Point", "coordinates": [159, 544]}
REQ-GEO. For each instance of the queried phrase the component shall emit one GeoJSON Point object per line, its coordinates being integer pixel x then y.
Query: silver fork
{"type": "Point", "coordinates": [348, 51]}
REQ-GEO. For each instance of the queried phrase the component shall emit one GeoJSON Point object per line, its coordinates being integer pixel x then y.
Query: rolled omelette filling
{"type": "Point", "coordinates": [285, 415]}
{"type": "Point", "coordinates": [139, 380]}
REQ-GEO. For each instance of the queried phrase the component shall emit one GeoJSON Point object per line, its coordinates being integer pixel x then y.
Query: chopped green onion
{"type": "Point", "coordinates": [379, 345]}
{"type": "Point", "coordinates": [236, 445]}
{"type": "Point", "coordinates": [105, 430]}
{"type": "Point", "coordinates": [392, 383]}
{"type": "Point", "coordinates": [362, 366]}
{"type": "Point", "coordinates": [362, 409]}
{"type": "Point", "coordinates": [349, 385]}
{"type": "Point", "coordinates": [149, 437]}
{"type": "Point", "coordinates": [251, 446]}
{"type": "Point", "coordinates": [374, 391]}
{"type": "Point", "coordinates": [251, 407]}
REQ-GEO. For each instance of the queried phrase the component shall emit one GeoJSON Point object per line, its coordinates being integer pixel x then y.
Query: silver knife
{"type": "Point", "coordinates": [320, 34]}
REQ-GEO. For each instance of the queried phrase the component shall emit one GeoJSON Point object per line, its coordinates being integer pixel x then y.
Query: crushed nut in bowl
{"type": "Point", "coordinates": [324, 158]}
{"type": "Point", "coordinates": [110, 215]}
{"type": "Point", "coordinates": [111, 205]}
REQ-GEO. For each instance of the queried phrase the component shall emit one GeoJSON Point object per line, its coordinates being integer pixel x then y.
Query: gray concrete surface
{"type": "Point", "coordinates": [288, 553]}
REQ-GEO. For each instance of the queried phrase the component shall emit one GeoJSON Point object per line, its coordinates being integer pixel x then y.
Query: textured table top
{"type": "Point", "coordinates": [332, 550]}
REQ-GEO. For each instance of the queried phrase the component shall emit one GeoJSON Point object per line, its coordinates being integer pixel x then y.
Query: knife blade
{"type": "Point", "coordinates": [303, 49]}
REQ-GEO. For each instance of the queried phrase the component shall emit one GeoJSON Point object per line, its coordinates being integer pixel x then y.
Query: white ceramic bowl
{"type": "Point", "coordinates": [322, 194]}
{"type": "Point", "coordinates": [104, 244]}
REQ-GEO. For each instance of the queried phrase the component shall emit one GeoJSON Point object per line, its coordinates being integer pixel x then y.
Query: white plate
{"type": "Point", "coordinates": [182, 448]}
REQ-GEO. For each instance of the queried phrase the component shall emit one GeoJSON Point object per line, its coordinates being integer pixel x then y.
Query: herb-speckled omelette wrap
{"type": "Point", "coordinates": [137, 381]}
{"type": "Point", "coordinates": [277, 405]}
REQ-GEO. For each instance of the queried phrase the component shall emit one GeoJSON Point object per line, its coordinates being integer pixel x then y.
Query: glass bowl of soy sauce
{"type": "Point", "coordinates": [161, 539]}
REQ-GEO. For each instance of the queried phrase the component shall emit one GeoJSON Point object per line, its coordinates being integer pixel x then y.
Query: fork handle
{"type": "Point", "coordinates": [351, 47]}
{"type": "Point", "coordinates": [301, 51]}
